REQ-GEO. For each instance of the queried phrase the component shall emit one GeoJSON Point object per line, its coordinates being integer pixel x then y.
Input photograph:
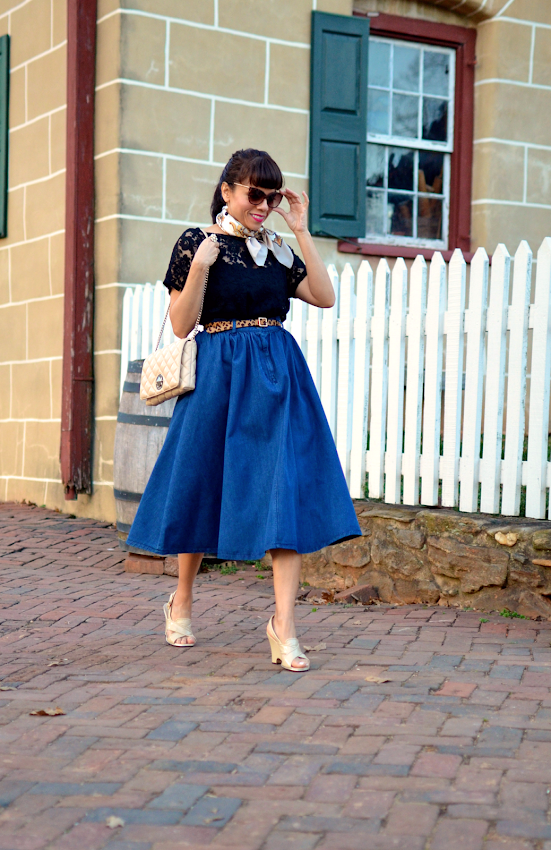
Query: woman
{"type": "Point", "coordinates": [249, 463]}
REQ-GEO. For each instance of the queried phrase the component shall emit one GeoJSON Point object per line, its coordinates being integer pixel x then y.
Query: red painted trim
{"type": "Point", "coordinates": [463, 41]}
{"type": "Point", "coordinates": [77, 398]}
{"type": "Point", "coordinates": [406, 251]}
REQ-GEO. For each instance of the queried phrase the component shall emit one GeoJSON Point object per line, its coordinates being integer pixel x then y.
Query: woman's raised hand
{"type": "Point", "coordinates": [297, 214]}
{"type": "Point", "coordinates": [207, 252]}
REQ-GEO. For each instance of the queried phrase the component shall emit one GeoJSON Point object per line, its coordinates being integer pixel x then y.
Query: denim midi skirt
{"type": "Point", "coordinates": [249, 463]}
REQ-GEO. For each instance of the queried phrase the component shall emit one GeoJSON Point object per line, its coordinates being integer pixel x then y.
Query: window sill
{"type": "Point", "coordinates": [408, 252]}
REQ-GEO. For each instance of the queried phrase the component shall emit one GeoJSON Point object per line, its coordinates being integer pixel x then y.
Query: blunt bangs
{"type": "Point", "coordinates": [262, 171]}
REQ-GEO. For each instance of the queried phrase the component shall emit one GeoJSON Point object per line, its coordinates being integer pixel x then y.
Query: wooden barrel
{"type": "Point", "coordinates": [139, 437]}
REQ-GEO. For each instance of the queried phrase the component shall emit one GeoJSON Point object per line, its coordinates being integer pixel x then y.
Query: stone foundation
{"type": "Point", "coordinates": [430, 555]}
{"type": "Point", "coordinates": [442, 557]}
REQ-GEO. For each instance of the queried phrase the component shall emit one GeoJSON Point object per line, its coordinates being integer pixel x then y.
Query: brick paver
{"type": "Point", "coordinates": [216, 747]}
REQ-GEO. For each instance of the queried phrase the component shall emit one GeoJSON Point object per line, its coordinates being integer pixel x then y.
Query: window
{"type": "Point", "coordinates": [391, 133]}
{"type": "Point", "coordinates": [410, 139]}
{"type": "Point", "coordinates": [4, 105]}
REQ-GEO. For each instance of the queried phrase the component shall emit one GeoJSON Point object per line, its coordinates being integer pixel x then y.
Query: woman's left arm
{"type": "Point", "coordinates": [316, 288]}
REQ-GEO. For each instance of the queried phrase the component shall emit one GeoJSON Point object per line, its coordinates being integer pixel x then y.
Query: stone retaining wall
{"type": "Point", "coordinates": [442, 557]}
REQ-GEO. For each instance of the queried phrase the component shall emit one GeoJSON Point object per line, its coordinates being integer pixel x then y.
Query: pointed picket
{"type": "Point", "coordinates": [453, 390]}
{"type": "Point", "coordinates": [136, 327]}
{"type": "Point", "coordinates": [125, 337]}
{"type": "Point", "coordinates": [147, 318]}
{"type": "Point", "coordinates": [313, 343]}
{"type": "Point", "coordinates": [414, 380]}
{"type": "Point", "coordinates": [516, 382]}
{"type": "Point", "coordinates": [298, 324]}
{"type": "Point", "coordinates": [379, 381]}
{"type": "Point", "coordinates": [362, 356]}
{"type": "Point", "coordinates": [434, 331]}
{"type": "Point", "coordinates": [329, 355]}
{"type": "Point", "coordinates": [474, 383]}
{"type": "Point", "coordinates": [540, 377]}
{"type": "Point", "coordinates": [345, 367]}
{"type": "Point", "coordinates": [396, 361]}
{"type": "Point", "coordinates": [490, 476]}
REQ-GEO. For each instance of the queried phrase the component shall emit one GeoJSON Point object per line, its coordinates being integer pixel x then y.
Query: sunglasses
{"type": "Point", "coordinates": [256, 196]}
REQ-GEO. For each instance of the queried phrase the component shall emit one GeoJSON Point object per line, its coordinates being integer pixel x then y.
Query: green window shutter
{"type": "Point", "coordinates": [338, 125]}
{"type": "Point", "coordinates": [4, 129]}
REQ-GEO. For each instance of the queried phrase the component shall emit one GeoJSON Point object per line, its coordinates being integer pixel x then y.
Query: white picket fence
{"type": "Point", "coordinates": [408, 377]}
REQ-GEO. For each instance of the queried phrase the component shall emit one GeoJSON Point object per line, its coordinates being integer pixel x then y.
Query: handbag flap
{"type": "Point", "coordinates": [161, 370]}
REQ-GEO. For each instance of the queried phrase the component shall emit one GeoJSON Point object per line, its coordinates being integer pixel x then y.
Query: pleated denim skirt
{"type": "Point", "coordinates": [249, 463]}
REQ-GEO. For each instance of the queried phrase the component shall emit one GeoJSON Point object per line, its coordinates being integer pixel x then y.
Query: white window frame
{"type": "Point", "coordinates": [417, 144]}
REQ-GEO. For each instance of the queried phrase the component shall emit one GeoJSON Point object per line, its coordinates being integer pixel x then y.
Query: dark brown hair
{"type": "Point", "coordinates": [249, 165]}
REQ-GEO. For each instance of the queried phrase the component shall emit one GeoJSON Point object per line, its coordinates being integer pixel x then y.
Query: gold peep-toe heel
{"type": "Point", "coordinates": [179, 628]}
{"type": "Point", "coordinates": [285, 651]}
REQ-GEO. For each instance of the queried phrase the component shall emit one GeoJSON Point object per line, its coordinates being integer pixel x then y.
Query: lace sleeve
{"type": "Point", "coordinates": [181, 259]}
{"type": "Point", "coordinates": [295, 274]}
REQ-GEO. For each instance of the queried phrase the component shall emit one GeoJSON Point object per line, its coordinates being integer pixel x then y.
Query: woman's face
{"type": "Point", "coordinates": [236, 197]}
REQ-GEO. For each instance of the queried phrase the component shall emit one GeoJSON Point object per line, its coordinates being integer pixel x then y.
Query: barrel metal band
{"type": "Point", "coordinates": [135, 367]}
{"type": "Point", "coordinates": [131, 387]}
{"type": "Point", "coordinates": [123, 526]}
{"type": "Point", "coordinates": [127, 495]}
{"type": "Point", "coordinates": [137, 419]}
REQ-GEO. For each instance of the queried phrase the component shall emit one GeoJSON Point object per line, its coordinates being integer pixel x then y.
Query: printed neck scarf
{"type": "Point", "coordinates": [259, 242]}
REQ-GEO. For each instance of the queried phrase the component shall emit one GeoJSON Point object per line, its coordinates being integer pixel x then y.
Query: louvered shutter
{"type": "Point", "coordinates": [338, 125]}
{"type": "Point", "coordinates": [4, 117]}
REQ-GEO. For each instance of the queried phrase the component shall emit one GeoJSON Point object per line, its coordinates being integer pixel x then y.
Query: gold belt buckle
{"type": "Point", "coordinates": [262, 322]}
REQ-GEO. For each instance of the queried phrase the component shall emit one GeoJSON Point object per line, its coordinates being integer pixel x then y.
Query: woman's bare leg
{"type": "Point", "coordinates": [286, 564]}
{"type": "Point", "coordinates": [188, 567]}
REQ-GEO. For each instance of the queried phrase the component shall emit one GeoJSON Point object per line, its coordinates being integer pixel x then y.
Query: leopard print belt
{"type": "Point", "coordinates": [217, 327]}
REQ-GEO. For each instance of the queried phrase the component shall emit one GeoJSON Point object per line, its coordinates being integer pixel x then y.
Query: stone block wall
{"type": "Point", "coordinates": [442, 557]}
{"type": "Point", "coordinates": [32, 255]}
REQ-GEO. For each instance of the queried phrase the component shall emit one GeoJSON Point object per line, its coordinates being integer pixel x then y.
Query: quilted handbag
{"type": "Point", "coordinates": [170, 371]}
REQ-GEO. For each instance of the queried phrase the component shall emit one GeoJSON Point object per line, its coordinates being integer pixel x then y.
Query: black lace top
{"type": "Point", "coordinates": [237, 287]}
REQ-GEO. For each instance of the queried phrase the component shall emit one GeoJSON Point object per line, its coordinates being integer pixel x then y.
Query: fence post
{"type": "Point", "coordinates": [474, 383]}
{"type": "Point", "coordinates": [379, 381]}
{"type": "Point", "coordinates": [329, 355]}
{"type": "Point", "coordinates": [414, 379]}
{"type": "Point", "coordinates": [434, 325]}
{"type": "Point", "coordinates": [125, 336]}
{"type": "Point", "coordinates": [345, 368]}
{"type": "Point", "coordinates": [516, 384]}
{"type": "Point", "coordinates": [453, 390]}
{"type": "Point", "coordinates": [396, 359]}
{"type": "Point", "coordinates": [540, 376]}
{"type": "Point", "coordinates": [362, 356]}
{"type": "Point", "coordinates": [490, 477]}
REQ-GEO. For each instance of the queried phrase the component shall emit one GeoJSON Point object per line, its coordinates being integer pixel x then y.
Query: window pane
{"type": "Point", "coordinates": [378, 112]}
{"type": "Point", "coordinates": [435, 119]}
{"type": "Point", "coordinates": [400, 169]}
{"type": "Point", "coordinates": [429, 219]}
{"type": "Point", "coordinates": [400, 214]}
{"type": "Point", "coordinates": [375, 165]}
{"type": "Point", "coordinates": [405, 111]}
{"type": "Point", "coordinates": [436, 73]}
{"type": "Point", "coordinates": [375, 213]}
{"type": "Point", "coordinates": [431, 172]}
{"type": "Point", "coordinates": [379, 64]}
{"type": "Point", "coordinates": [406, 68]}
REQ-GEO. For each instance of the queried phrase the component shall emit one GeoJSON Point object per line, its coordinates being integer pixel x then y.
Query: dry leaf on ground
{"type": "Point", "coordinates": [317, 648]}
{"type": "Point", "coordinates": [379, 680]}
{"type": "Point", "coordinates": [58, 663]}
{"type": "Point", "coordinates": [7, 688]}
{"type": "Point", "coordinates": [113, 822]}
{"type": "Point", "coordinates": [356, 623]}
{"type": "Point", "coordinates": [47, 712]}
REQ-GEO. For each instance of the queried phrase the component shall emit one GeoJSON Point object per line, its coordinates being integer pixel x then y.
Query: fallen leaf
{"type": "Point", "coordinates": [319, 646]}
{"type": "Point", "coordinates": [379, 680]}
{"type": "Point", "coordinates": [7, 688]}
{"type": "Point", "coordinates": [58, 663]}
{"type": "Point", "coordinates": [508, 539]}
{"type": "Point", "coordinates": [47, 712]}
{"type": "Point", "coordinates": [356, 623]}
{"type": "Point", "coordinates": [113, 822]}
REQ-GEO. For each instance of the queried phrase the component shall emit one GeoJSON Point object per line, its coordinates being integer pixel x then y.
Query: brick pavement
{"type": "Point", "coordinates": [215, 747]}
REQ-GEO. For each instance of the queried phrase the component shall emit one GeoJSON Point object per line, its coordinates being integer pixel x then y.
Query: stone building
{"type": "Point", "coordinates": [452, 107]}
